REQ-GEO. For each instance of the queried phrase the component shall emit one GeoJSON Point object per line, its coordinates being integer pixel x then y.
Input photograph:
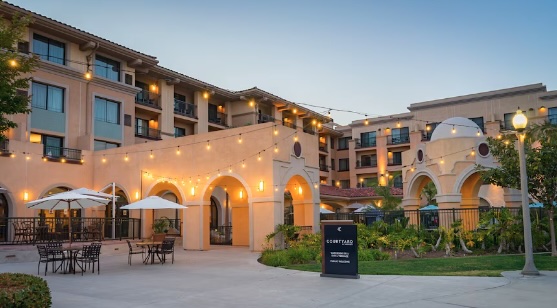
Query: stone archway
{"type": "Point", "coordinates": [166, 190]}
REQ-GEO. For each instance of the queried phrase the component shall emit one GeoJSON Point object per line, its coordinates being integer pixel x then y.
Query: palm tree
{"type": "Point", "coordinates": [390, 201]}
{"type": "Point", "coordinates": [429, 192]}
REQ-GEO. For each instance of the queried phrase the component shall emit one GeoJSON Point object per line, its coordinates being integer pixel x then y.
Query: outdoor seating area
{"type": "Point", "coordinates": [153, 249]}
{"type": "Point", "coordinates": [65, 259]}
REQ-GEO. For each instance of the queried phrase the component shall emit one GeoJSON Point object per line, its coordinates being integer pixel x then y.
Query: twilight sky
{"type": "Point", "coordinates": [373, 57]}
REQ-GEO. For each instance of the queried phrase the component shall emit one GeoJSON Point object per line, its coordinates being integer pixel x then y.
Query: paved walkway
{"type": "Point", "coordinates": [232, 277]}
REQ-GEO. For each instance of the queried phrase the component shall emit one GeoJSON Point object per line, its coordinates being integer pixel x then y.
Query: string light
{"type": "Point", "coordinates": [243, 163]}
{"type": "Point", "coordinates": [63, 160]}
{"type": "Point", "coordinates": [478, 133]}
{"type": "Point", "coordinates": [296, 136]}
{"type": "Point", "coordinates": [151, 155]}
{"type": "Point", "coordinates": [230, 169]}
{"type": "Point", "coordinates": [104, 159]}
{"type": "Point", "coordinates": [397, 123]}
{"type": "Point", "coordinates": [453, 130]}
{"type": "Point", "coordinates": [366, 121]}
{"type": "Point", "coordinates": [442, 160]}
{"type": "Point", "coordinates": [178, 150]}
{"type": "Point", "coordinates": [240, 138]}
{"type": "Point", "coordinates": [88, 75]}
{"type": "Point", "coordinates": [13, 63]}
{"type": "Point", "coordinates": [276, 148]}
{"type": "Point", "coordinates": [208, 145]}
{"type": "Point", "coordinates": [276, 130]}
{"type": "Point", "coordinates": [473, 153]}
{"type": "Point", "coordinates": [126, 158]}
{"type": "Point", "coordinates": [259, 156]}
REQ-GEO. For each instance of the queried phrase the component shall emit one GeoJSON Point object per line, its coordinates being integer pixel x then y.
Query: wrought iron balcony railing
{"type": "Point", "coordinates": [147, 98]}
{"type": "Point", "coordinates": [219, 118]}
{"type": "Point", "coordinates": [288, 124]}
{"type": "Point", "coordinates": [65, 153]}
{"type": "Point", "coordinates": [398, 139]}
{"type": "Point", "coordinates": [185, 109]}
{"type": "Point", "coordinates": [264, 118]}
{"type": "Point", "coordinates": [323, 146]}
{"type": "Point", "coordinates": [146, 132]}
{"type": "Point", "coordinates": [323, 167]}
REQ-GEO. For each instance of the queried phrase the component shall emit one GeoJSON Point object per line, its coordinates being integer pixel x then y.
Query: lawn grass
{"type": "Point", "coordinates": [483, 266]}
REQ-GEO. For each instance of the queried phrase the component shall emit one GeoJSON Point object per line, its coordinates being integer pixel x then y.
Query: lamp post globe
{"type": "Point", "coordinates": [519, 122]}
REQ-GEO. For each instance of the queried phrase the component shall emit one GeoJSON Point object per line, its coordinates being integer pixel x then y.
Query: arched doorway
{"type": "Point", "coordinates": [298, 203]}
{"type": "Point", "coordinates": [4, 214]}
{"type": "Point", "coordinates": [121, 223]}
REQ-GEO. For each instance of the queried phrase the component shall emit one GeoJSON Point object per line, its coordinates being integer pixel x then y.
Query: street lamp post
{"type": "Point", "coordinates": [519, 123]}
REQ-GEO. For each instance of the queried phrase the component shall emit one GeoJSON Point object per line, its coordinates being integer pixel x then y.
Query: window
{"type": "Point", "coordinates": [333, 164]}
{"type": "Point", "coordinates": [103, 145]}
{"type": "Point", "coordinates": [429, 128]}
{"type": "Point", "coordinates": [370, 182]}
{"type": "Point", "coordinates": [399, 136]}
{"type": "Point", "coordinates": [343, 143]}
{"type": "Point", "coordinates": [368, 161]}
{"type": "Point", "coordinates": [343, 164]}
{"type": "Point", "coordinates": [47, 97]}
{"type": "Point", "coordinates": [552, 115]}
{"type": "Point", "coordinates": [52, 145]}
{"type": "Point", "coordinates": [368, 139]}
{"type": "Point", "coordinates": [397, 182]}
{"type": "Point", "coordinates": [344, 184]}
{"type": "Point", "coordinates": [49, 49]}
{"type": "Point", "coordinates": [479, 121]}
{"type": "Point", "coordinates": [107, 68]}
{"type": "Point", "coordinates": [508, 121]}
{"type": "Point", "coordinates": [395, 158]}
{"type": "Point", "coordinates": [107, 111]}
{"type": "Point", "coordinates": [179, 131]}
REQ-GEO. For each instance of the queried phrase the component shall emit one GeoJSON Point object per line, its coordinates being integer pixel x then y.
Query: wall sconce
{"type": "Point", "coordinates": [25, 196]}
{"type": "Point", "coordinates": [193, 191]}
{"type": "Point", "coordinates": [261, 186]}
{"type": "Point", "coordinates": [300, 191]}
{"type": "Point", "coordinates": [542, 109]}
{"type": "Point", "coordinates": [137, 195]}
{"type": "Point", "coordinates": [241, 194]}
{"type": "Point", "coordinates": [154, 88]}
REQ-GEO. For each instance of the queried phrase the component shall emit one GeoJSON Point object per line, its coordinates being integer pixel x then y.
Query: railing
{"type": "Point", "coordinates": [552, 118]}
{"type": "Point", "coordinates": [398, 139]}
{"type": "Point", "coordinates": [366, 143]}
{"type": "Point", "coordinates": [146, 132]}
{"type": "Point", "coordinates": [394, 162]}
{"type": "Point", "coordinates": [4, 146]}
{"type": "Point", "coordinates": [289, 124]}
{"type": "Point", "coordinates": [370, 164]}
{"type": "Point", "coordinates": [58, 152]}
{"type": "Point", "coordinates": [309, 131]}
{"type": "Point", "coordinates": [219, 118]}
{"type": "Point", "coordinates": [31, 230]}
{"type": "Point", "coordinates": [147, 98]}
{"type": "Point", "coordinates": [221, 235]}
{"type": "Point", "coordinates": [174, 225]}
{"type": "Point", "coordinates": [264, 118]}
{"type": "Point", "coordinates": [431, 219]}
{"type": "Point", "coordinates": [323, 146]}
{"type": "Point", "coordinates": [185, 109]}
{"type": "Point", "coordinates": [324, 168]}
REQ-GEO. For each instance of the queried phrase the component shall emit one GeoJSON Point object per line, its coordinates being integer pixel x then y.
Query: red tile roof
{"type": "Point", "coordinates": [353, 192]}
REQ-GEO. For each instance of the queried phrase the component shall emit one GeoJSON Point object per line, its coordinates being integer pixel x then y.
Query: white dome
{"type": "Point", "coordinates": [463, 128]}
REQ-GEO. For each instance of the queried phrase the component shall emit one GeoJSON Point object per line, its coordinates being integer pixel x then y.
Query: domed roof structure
{"type": "Point", "coordinates": [463, 128]}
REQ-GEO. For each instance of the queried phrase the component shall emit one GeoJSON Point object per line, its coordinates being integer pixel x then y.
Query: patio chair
{"type": "Point", "coordinates": [167, 248]}
{"type": "Point", "coordinates": [46, 256]}
{"type": "Point", "coordinates": [135, 251]}
{"type": "Point", "coordinates": [89, 256]}
{"type": "Point", "coordinates": [19, 233]}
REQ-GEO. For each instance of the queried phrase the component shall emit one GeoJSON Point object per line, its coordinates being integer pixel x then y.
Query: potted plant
{"type": "Point", "coordinates": [160, 227]}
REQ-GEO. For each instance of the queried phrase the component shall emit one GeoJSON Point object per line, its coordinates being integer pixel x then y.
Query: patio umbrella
{"type": "Point", "coordinates": [325, 211]}
{"type": "Point", "coordinates": [153, 203]}
{"type": "Point", "coordinates": [355, 205]}
{"type": "Point", "coordinates": [367, 208]}
{"type": "Point", "coordinates": [3, 190]}
{"type": "Point", "coordinates": [430, 207]}
{"type": "Point", "coordinates": [90, 192]}
{"type": "Point", "coordinates": [67, 200]}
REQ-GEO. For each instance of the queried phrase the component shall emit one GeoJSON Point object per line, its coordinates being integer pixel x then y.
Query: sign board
{"type": "Point", "coordinates": [339, 249]}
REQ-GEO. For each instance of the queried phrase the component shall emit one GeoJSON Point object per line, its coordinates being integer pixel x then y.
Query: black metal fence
{"type": "Point", "coordinates": [429, 219]}
{"type": "Point", "coordinates": [31, 230]}
{"type": "Point", "coordinates": [221, 235]}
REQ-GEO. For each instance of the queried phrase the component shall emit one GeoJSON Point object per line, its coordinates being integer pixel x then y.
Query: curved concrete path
{"type": "Point", "coordinates": [232, 277]}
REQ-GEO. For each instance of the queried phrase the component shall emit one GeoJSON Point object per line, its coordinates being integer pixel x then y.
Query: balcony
{"type": "Point", "coordinates": [309, 131]}
{"type": "Point", "coordinates": [288, 124]}
{"type": "Point", "coordinates": [147, 98]}
{"type": "Point", "coordinates": [264, 118]}
{"type": "Point", "coordinates": [219, 118]}
{"type": "Point", "coordinates": [369, 143]}
{"type": "Point", "coordinates": [323, 147]}
{"type": "Point", "coordinates": [366, 164]}
{"type": "Point", "coordinates": [398, 139]}
{"type": "Point", "coordinates": [146, 132]}
{"type": "Point", "coordinates": [4, 147]}
{"type": "Point", "coordinates": [323, 168]}
{"type": "Point", "coordinates": [71, 155]}
{"type": "Point", "coordinates": [394, 162]}
{"type": "Point", "coordinates": [186, 109]}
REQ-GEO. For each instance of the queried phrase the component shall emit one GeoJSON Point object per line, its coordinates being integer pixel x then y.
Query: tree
{"type": "Point", "coordinates": [14, 66]}
{"type": "Point", "coordinates": [430, 192]}
{"type": "Point", "coordinates": [541, 155]}
{"type": "Point", "coordinates": [390, 201]}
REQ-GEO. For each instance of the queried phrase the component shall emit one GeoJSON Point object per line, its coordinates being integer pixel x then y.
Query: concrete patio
{"type": "Point", "coordinates": [232, 277]}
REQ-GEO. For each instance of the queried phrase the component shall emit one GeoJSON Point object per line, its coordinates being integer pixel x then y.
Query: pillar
{"type": "Point", "coordinates": [512, 198]}
{"type": "Point", "coordinates": [202, 125]}
{"type": "Point", "coordinates": [306, 213]}
{"type": "Point", "coordinates": [196, 226]}
{"type": "Point", "coordinates": [266, 215]}
{"type": "Point", "coordinates": [240, 226]}
{"type": "Point", "coordinates": [166, 95]}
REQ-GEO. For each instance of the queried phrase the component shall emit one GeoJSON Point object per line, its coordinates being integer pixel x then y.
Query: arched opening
{"type": "Point", "coordinates": [299, 208]}
{"type": "Point", "coordinates": [4, 214]}
{"type": "Point", "coordinates": [170, 192]}
{"type": "Point", "coordinates": [227, 210]}
{"type": "Point", "coordinates": [58, 213]}
{"type": "Point", "coordinates": [470, 204]}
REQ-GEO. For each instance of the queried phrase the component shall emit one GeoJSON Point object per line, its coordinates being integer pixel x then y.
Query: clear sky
{"type": "Point", "coordinates": [374, 57]}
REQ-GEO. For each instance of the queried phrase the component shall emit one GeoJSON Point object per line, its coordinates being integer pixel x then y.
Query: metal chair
{"type": "Point", "coordinates": [89, 256]}
{"type": "Point", "coordinates": [46, 256]}
{"type": "Point", "coordinates": [134, 251]}
{"type": "Point", "coordinates": [167, 248]}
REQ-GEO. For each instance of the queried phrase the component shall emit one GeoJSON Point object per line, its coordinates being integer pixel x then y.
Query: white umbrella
{"type": "Point", "coordinates": [366, 208]}
{"type": "Point", "coordinates": [355, 205]}
{"type": "Point", "coordinates": [325, 211]}
{"type": "Point", "coordinates": [90, 192]}
{"type": "Point", "coordinates": [152, 203]}
{"type": "Point", "coordinates": [3, 190]}
{"type": "Point", "coordinates": [67, 200]}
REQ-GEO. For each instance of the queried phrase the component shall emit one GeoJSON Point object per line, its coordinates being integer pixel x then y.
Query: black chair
{"type": "Point", "coordinates": [167, 248]}
{"type": "Point", "coordinates": [46, 256]}
{"type": "Point", "coordinates": [89, 256]}
{"type": "Point", "coordinates": [134, 251]}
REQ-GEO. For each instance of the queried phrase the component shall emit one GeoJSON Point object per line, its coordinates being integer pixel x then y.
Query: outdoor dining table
{"type": "Point", "coordinates": [71, 253]}
{"type": "Point", "coordinates": [151, 250]}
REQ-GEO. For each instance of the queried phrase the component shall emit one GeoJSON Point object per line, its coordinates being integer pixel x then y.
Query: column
{"type": "Point", "coordinates": [196, 226]}
{"type": "Point", "coordinates": [512, 198]}
{"type": "Point", "coordinates": [202, 125]}
{"type": "Point", "coordinates": [166, 124]}
{"type": "Point", "coordinates": [266, 215]}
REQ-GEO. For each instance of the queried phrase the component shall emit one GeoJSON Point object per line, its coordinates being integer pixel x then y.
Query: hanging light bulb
{"type": "Point", "coordinates": [259, 156]}
{"type": "Point", "coordinates": [126, 157]}
{"type": "Point", "coordinates": [218, 172]}
{"type": "Point", "coordinates": [427, 127]}
{"type": "Point", "coordinates": [27, 157]}
{"type": "Point", "coordinates": [243, 163]}
{"type": "Point", "coordinates": [13, 62]}
{"type": "Point", "coordinates": [397, 123]}
{"type": "Point", "coordinates": [276, 188]}
{"type": "Point", "coordinates": [104, 159]}
{"type": "Point", "coordinates": [151, 155]}
{"type": "Point", "coordinates": [412, 169]}
{"type": "Point", "coordinates": [473, 153]}
{"type": "Point", "coordinates": [88, 75]}
{"type": "Point", "coordinates": [315, 185]}
{"type": "Point", "coordinates": [276, 130]}
{"type": "Point", "coordinates": [329, 113]}
{"type": "Point", "coordinates": [294, 111]}
{"type": "Point", "coordinates": [229, 169]}
{"type": "Point", "coordinates": [198, 178]}
{"type": "Point", "coordinates": [276, 148]}
{"type": "Point", "coordinates": [208, 145]}
{"type": "Point", "coordinates": [314, 122]}
{"type": "Point", "coordinates": [366, 121]}
{"type": "Point", "coordinates": [442, 160]}
{"type": "Point", "coordinates": [499, 136]}
{"type": "Point", "coordinates": [478, 133]}
{"type": "Point", "coordinates": [12, 155]}
{"type": "Point", "coordinates": [453, 130]}
{"type": "Point", "coordinates": [178, 151]}
{"type": "Point", "coordinates": [318, 124]}
{"type": "Point", "coordinates": [240, 138]}
{"type": "Point", "coordinates": [296, 136]}
{"type": "Point", "coordinates": [63, 160]}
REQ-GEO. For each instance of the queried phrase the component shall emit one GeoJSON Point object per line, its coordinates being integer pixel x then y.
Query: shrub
{"type": "Point", "coordinates": [301, 254]}
{"type": "Point", "coordinates": [22, 290]}
{"type": "Point", "coordinates": [275, 258]}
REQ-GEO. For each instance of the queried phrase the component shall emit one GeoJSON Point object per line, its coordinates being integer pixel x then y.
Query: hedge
{"type": "Point", "coordinates": [23, 290]}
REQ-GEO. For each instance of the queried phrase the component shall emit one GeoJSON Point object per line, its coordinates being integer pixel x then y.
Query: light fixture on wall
{"type": "Point", "coordinates": [252, 103]}
{"type": "Point", "coordinates": [261, 186]}
{"type": "Point", "coordinates": [300, 190]}
{"type": "Point", "coordinates": [294, 111]}
{"type": "Point", "coordinates": [137, 195]}
{"type": "Point", "coordinates": [192, 191]}
{"type": "Point", "coordinates": [241, 194]}
{"type": "Point", "coordinates": [154, 88]}
{"type": "Point", "coordinates": [25, 196]}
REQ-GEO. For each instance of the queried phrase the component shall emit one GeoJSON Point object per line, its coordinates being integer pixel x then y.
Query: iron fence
{"type": "Point", "coordinates": [31, 230]}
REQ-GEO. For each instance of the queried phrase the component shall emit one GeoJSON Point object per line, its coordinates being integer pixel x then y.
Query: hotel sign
{"type": "Point", "coordinates": [339, 249]}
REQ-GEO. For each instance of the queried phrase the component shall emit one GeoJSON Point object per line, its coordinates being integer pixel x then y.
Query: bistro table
{"type": "Point", "coordinates": [151, 250]}
{"type": "Point", "coordinates": [71, 256]}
